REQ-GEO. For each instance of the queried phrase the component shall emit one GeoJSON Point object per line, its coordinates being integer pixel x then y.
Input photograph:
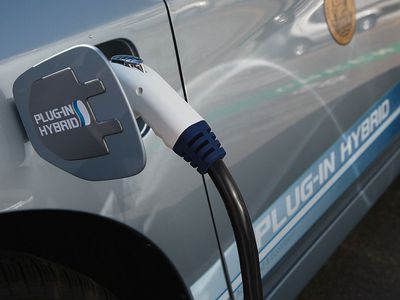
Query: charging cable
{"type": "Point", "coordinates": [185, 132]}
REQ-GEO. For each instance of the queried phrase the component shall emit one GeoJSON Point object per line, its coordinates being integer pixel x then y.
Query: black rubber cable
{"type": "Point", "coordinates": [221, 253]}
{"type": "Point", "coordinates": [242, 229]}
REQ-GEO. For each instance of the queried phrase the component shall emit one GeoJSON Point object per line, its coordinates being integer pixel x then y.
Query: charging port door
{"type": "Point", "coordinates": [77, 116]}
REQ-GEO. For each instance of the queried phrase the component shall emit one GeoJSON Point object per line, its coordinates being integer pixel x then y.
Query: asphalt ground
{"type": "Point", "coordinates": [367, 264]}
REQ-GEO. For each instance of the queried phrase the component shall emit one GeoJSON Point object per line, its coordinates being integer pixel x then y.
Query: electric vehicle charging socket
{"type": "Point", "coordinates": [76, 114]}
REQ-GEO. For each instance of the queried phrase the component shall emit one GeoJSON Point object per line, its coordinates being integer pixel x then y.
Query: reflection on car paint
{"type": "Point", "coordinates": [300, 83]}
{"type": "Point", "coordinates": [294, 212]}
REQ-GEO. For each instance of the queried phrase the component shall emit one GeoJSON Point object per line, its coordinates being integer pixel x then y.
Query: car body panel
{"type": "Point", "coordinates": [277, 112]}
{"type": "Point", "coordinates": [336, 230]}
{"type": "Point", "coordinates": [150, 202]}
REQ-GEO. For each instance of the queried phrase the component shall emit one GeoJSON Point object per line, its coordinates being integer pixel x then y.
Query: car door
{"type": "Point", "coordinates": [166, 202]}
{"type": "Point", "coordinates": [287, 118]}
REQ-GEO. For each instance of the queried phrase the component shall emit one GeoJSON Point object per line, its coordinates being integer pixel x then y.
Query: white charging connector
{"type": "Point", "coordinates": [161, 107]}
{"type": "Point", "coordinates": [167, 113]}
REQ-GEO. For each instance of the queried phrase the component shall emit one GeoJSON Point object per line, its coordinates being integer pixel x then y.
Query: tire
{"type": "Point", "coordinates": [300, 47]}
{"type": "Point", "coordinates": [366, 23]}
{"type": "Point", "coordinates": [26, 277]}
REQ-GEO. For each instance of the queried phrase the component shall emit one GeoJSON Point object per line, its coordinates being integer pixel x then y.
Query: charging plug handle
{"type": "Point", "coordinates": [199, 146]}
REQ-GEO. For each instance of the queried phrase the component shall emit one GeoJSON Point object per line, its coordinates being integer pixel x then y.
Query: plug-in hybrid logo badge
{"type": "Point", "coordinates": [64, 120]}
{"type": "Point", "coordinates": [82, 113]}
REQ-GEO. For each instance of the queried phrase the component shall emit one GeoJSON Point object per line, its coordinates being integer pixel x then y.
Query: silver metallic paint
{"type": "Point", "coordinates": [164, 200]}
{"type": "Point", "coordinates": [243, 73]}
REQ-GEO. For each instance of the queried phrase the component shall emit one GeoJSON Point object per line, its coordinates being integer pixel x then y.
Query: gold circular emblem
{"type": "Point", "coordinates": [341, 18]}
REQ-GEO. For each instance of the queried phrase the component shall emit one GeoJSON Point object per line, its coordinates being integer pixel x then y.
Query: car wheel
{"type": "Point", "coordinates": [26, 277]}
{"type": "Point", "coordinates": [366, 23]}
{"type": "Point", "coordinates": [300, 47]}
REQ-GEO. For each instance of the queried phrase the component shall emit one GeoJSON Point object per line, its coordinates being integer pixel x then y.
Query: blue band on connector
{"type": "Point", "coordinates": [199, 146]}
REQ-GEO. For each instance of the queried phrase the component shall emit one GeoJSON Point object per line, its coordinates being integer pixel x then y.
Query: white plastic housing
{"type": "Point", "coordinates": [161, 107]}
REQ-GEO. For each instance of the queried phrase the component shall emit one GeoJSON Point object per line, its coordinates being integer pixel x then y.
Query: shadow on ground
{"type": "Point", "coordinates": [367, 264]}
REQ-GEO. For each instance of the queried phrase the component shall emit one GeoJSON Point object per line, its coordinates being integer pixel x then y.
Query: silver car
{"type": "Point", "coordinates": [312, 139]}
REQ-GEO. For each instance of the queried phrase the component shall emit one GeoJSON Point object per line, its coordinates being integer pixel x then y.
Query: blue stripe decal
{"type": "Point", "coordinates": [78, 113]}
{"type": "Point", "coordinates": [309, 197]}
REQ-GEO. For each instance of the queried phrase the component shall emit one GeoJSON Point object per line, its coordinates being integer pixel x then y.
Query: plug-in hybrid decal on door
{"type": "Point", "coordinates": [294, 212]}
